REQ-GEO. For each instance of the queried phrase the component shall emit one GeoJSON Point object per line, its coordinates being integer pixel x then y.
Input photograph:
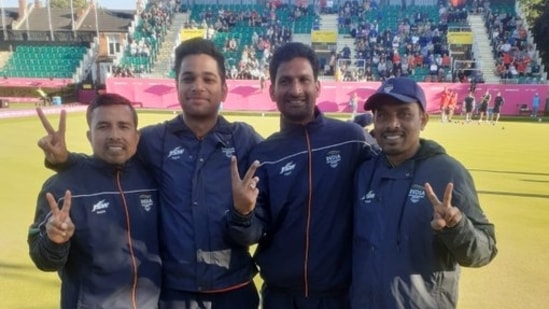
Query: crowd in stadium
{"type": "Point", "coordinates": [414, 40]}
{"type": "Point", "coordinates": [155, 20]}
{"type": "Point", "coordinates": [413, 44]}
{"type": "Point", "coordinates": [269, 33]}
{"type": "Point", "coordinates": [515, 57]}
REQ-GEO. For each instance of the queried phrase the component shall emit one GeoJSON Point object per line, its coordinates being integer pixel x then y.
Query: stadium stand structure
{"type": "Point", "coordinates": [375, 39]}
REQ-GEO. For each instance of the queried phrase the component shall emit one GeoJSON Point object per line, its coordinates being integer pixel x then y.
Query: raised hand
{"type": "Point", "coordinates": [244, 190]}
{"type": "Point", "coordinates": [444, 214]}
{"type": "Point", "coordinates": [59, 226]}
{"type": "Point", "coordinates": [53, 144]}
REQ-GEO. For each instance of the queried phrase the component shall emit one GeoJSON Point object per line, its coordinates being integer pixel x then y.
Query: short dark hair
{"type": "Point", "coordinates": [109, 99]}
{"type": "Point", "coordinates": [292, 50]}
{"type": "Point", "coordinates": [198, 46]}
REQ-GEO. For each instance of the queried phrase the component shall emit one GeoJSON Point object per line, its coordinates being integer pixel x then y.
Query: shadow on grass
{"type": "Point", "coordinates": [514, 194]}
{"type": "Point", "coordinates": [25, 272]}
{"type": "Point", "coordinates": [508, 172]}
{"type": "Point", "coordinates": [532, 180]}
{"type": "Point", "coordinates": [11, 266]}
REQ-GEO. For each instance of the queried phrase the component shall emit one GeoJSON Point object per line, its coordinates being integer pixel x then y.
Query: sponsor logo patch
{"type": "Point", "coordinates": [368, 197]}
{"type": "Point", "coordinates": [287, 169]}
{"type": "Point", "coordinates": [176, 153]}
{"type": "Point", "coordinates": [100, 207]}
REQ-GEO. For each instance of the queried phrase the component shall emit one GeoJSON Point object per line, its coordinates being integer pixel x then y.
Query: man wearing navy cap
{"type": "Point", "coordinates": [408, 244]}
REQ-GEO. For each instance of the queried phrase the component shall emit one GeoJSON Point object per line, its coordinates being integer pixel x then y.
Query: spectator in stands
{"type": "Point", "coordinates": [233, 73]}
{"type": "Point", "coordinates": [433, 71]}
{"type": "Point", "coordinates": [255, 38]}
{"type": "Point", "coordinates": [501, 70]}
{"type": "Point", "coordinates": [513, 70]}
{"type": "Point", "coordinates": [232, 45]}
{"type": "Point", "coordinates": [536, 69]}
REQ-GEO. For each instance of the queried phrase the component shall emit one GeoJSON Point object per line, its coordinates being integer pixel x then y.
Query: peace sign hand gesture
{"type": "Point", "coordinates": [444, 214]}
{"type": "Point", "coordinates": [59, 226]}
{"type": "Point", "coordinates": [245, 190]}
{"type": "Point", "coordinates": [53, 144]}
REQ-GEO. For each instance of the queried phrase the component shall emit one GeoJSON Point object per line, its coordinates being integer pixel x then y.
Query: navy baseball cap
{"type": "Point", "coordinates": [404, 89]}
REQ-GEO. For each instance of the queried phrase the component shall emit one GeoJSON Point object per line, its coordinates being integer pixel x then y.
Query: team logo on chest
{"type": "Point", "coordinates": [333, 158]}
{"type": "Point", "coordinates": [228, 151]}
{"type": "Point", "coordinates": [146, 201]}
{"type": "Point", "coordinates": [416, 193]}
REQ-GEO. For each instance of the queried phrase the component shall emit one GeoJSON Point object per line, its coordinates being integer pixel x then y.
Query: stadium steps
{"type": "Point", "coordinates": [483, 54]}
{"type": "Point", "coordinates": [163, 65]}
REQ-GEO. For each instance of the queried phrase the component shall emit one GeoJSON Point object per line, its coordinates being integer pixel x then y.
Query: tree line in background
{"type": "Point", "coordinates": [537, 17]}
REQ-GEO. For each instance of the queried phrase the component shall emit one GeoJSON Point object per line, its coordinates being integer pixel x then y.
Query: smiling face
{"type": "Point", "coordinates": [200, 87]}
{"type": "Point", "coordinates": [295, 90]}
{"type": "Point", "coordinates": [397, 127]}
{"type": "Point", "coordinates": [113, 133]}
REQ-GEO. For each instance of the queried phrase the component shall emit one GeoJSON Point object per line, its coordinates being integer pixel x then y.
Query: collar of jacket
{"type": "Point", "coordinates": [221, 132]}
{"type": "Point", "coordinates": [427, 149]}
{"type": "Point", "coordinates": [318, 121]}
{"type": "Point", "coordinates": [107, 167]}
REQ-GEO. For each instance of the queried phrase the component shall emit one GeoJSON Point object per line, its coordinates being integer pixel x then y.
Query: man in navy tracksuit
{"type": "Point", "coordinates": [302, 220]}
{"type": "Point", "coordinates": [190, 156]}
{"type": "Point", "coordinates": [408, 245]}
{"type": "Point", "coordinates": [96, 221]}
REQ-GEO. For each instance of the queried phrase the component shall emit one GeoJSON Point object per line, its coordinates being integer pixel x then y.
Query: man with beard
{"type": "Point", "coordinates": [302, 217]}
{"type": "Point", "coordinates": [408, 245]}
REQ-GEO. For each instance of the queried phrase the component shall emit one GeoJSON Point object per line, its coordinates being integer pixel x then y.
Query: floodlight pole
{"type": "Point", "coordinates": [96, 3]}
{"type": "Point", "coordinates": [49, 21]}
{"type": "Point", "coordinates": [4, 30]}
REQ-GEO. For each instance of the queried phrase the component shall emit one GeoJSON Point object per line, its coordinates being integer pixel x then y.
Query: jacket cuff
{"type": "Point", "coordinates": [54, 248]}
{"type": "Point", "coordinates": [456, 228]}
{"type": "Point", "coordinates": [72, 158]}
{"type": "Point", "coordinates": [239, 219]}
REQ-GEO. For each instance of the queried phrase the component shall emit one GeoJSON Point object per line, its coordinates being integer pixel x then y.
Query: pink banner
{"type": "Point", "coordinates": [334, 97]}
{"type": "Point", "coordinates": [34, 82]}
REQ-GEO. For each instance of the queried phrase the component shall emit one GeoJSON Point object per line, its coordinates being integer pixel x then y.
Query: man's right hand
{"type": "Point", "coordinates": [53, 144]}
{"type": "Point", "coordinates": [59, 226]}
{"type": "Point", "coordinates": [245, 190]}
